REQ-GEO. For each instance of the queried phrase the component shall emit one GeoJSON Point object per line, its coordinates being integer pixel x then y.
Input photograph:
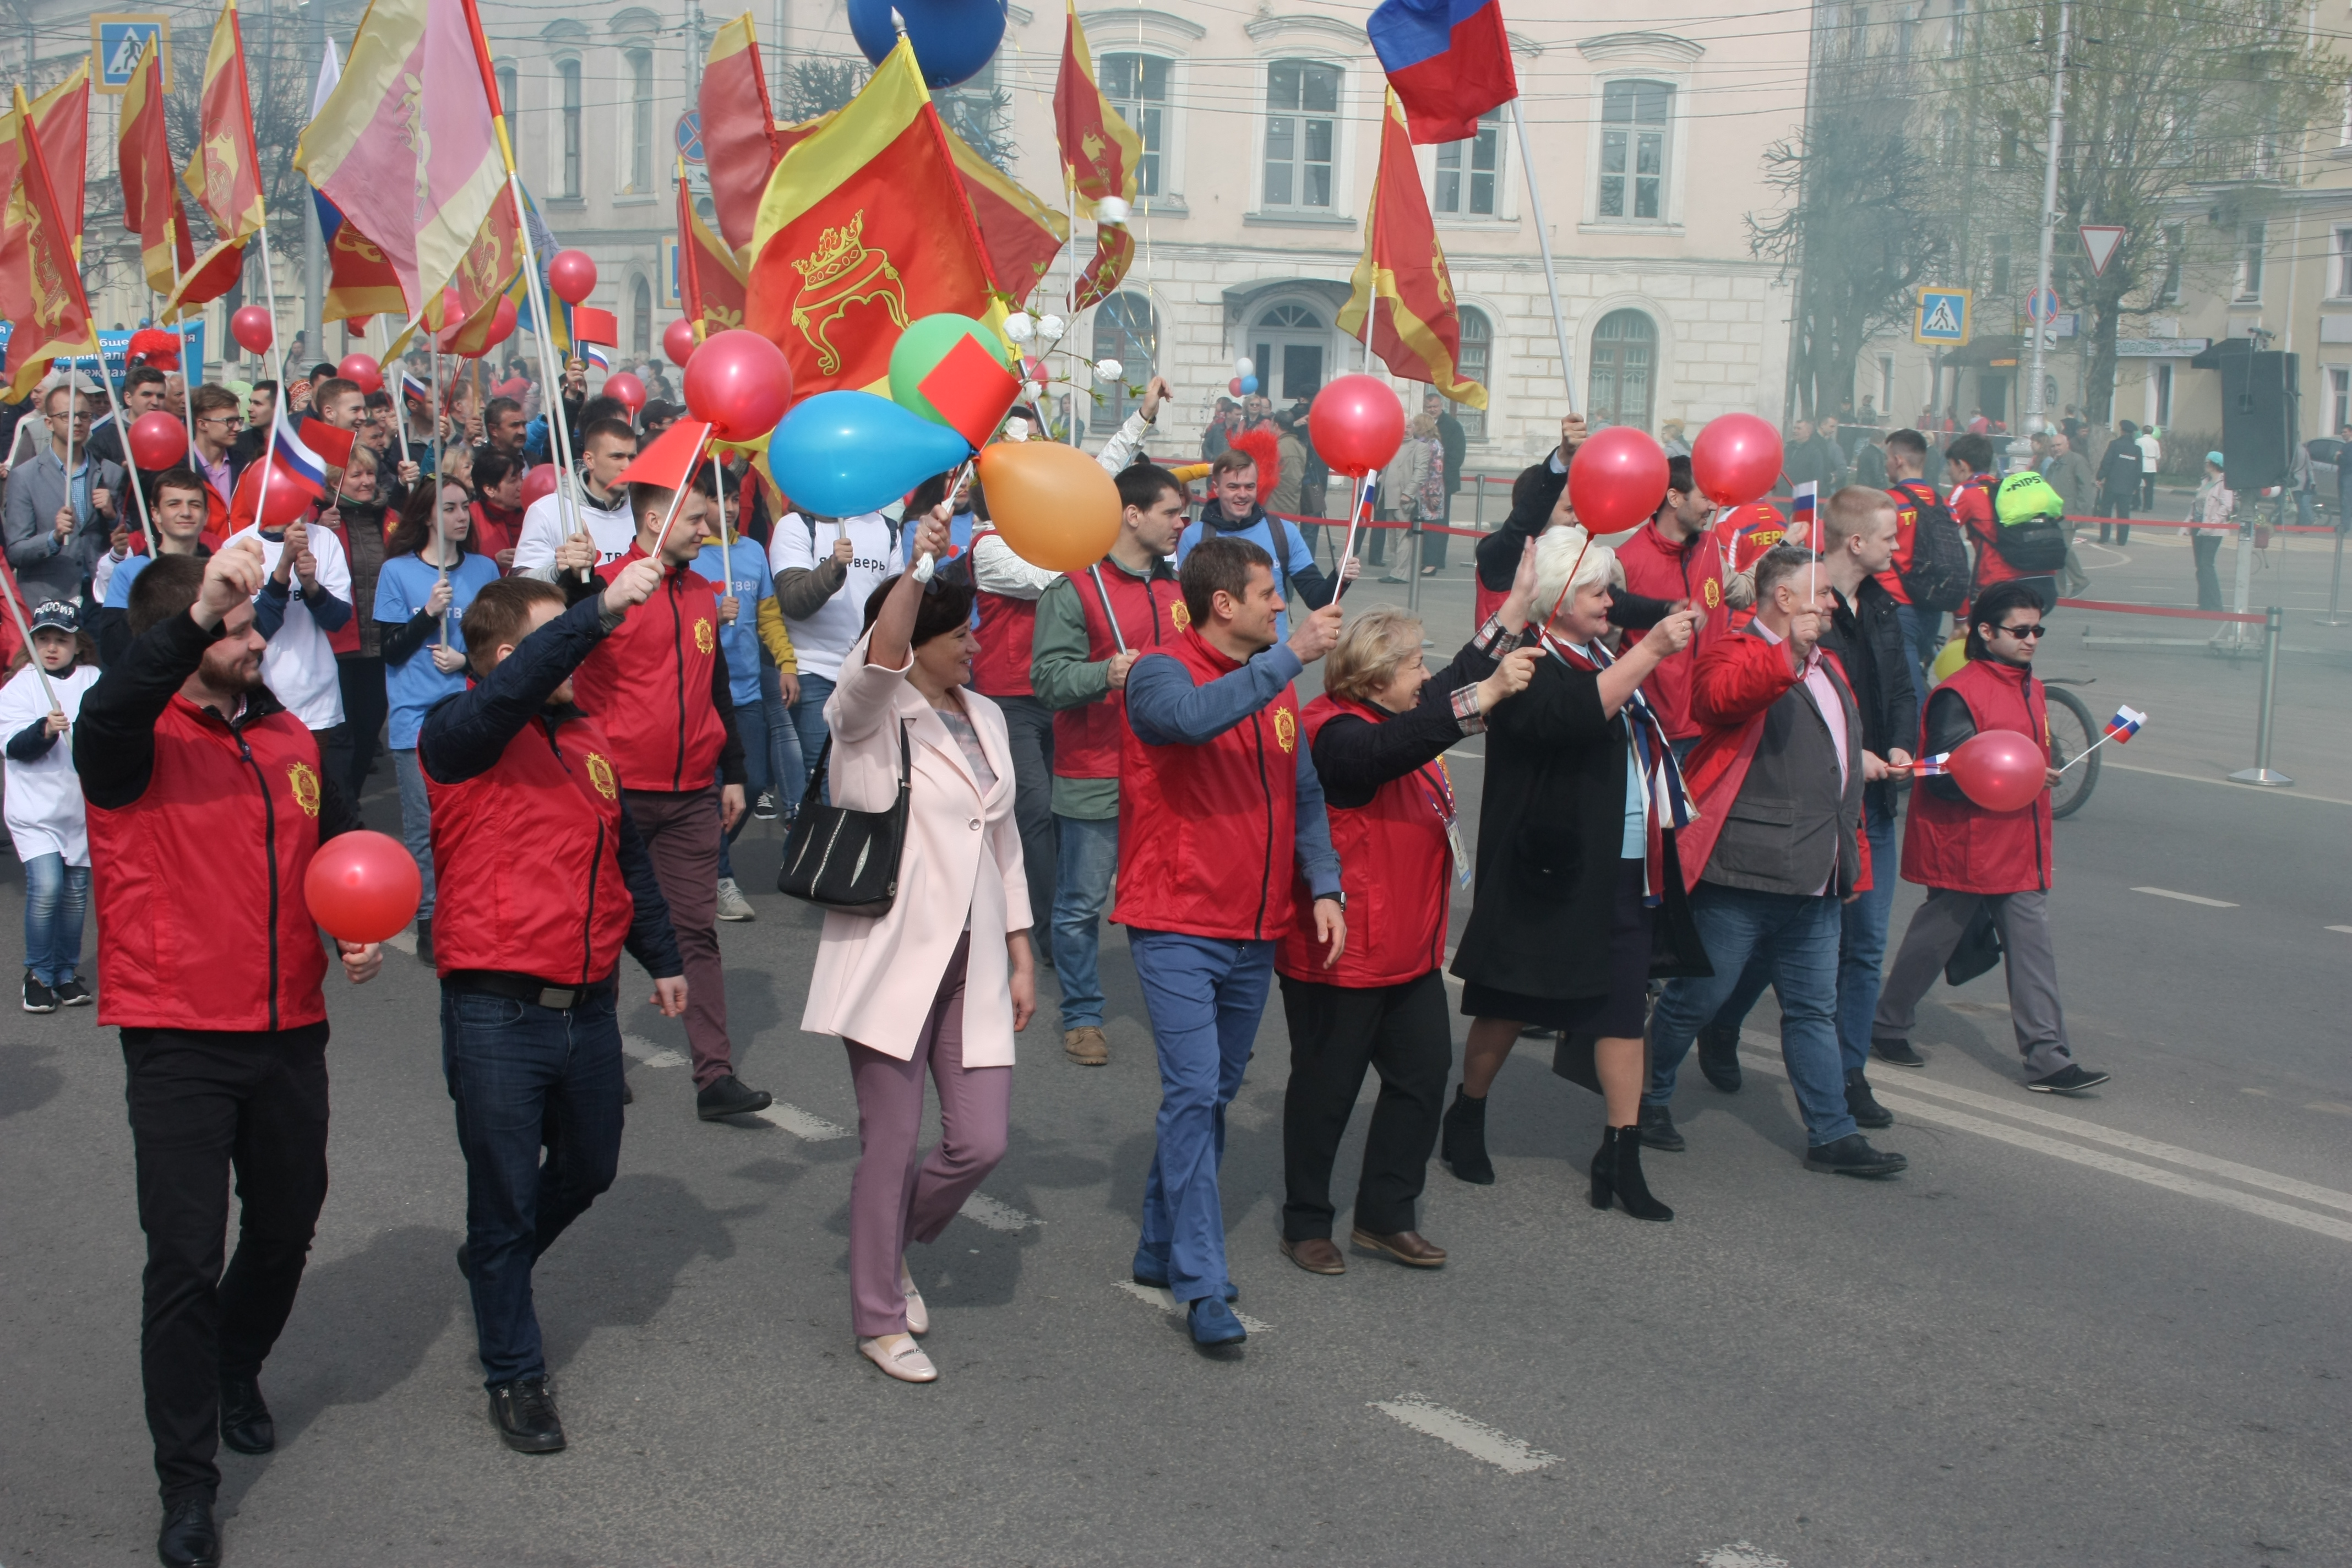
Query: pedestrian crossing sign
{"type": "Point", "coordinates": [1942, 320]}
{"type": "Point", "coordinates": [118, 43]}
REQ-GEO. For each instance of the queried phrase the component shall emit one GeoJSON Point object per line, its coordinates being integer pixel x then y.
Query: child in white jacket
{"type": "Point", "coordinates": [44, 809]}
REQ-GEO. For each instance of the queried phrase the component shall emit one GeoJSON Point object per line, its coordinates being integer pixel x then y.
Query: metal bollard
{"type": "Point", "coordinates": [2274, 620]}
{"type": "Point", "coordinates": [2334, 586]}
{"type": "Point", "coordinates": [1412, 568]}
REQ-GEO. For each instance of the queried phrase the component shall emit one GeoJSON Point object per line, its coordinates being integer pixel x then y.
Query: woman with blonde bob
{"type": "Point", "coordinates": [1580, 896]}
{"type": "Point", "coordinates": [1378, 735]}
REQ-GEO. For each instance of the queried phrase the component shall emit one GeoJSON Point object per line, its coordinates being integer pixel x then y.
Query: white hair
{"type": "Point", "coordinates": [1557, 553]}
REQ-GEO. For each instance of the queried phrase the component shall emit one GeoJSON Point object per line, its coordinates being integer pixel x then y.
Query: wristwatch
{"type": "Point", "coordinates": [1339, 897]}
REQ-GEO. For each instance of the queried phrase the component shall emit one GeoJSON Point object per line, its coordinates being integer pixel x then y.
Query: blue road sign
{"type": "Point", "coordinates": [119, 43]}
{"type": "Point", "coordinates": [1942, 320]}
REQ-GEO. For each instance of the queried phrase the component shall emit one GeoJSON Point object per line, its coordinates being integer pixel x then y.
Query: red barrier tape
{"type": "Point", "coordinates": [2157, 610]}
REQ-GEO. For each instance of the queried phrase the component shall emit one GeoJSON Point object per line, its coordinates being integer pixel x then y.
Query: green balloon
{"type": "Point", "coordinates": [921, 347]}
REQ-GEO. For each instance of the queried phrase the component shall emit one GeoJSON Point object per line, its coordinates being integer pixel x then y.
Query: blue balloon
{"type": "Point", "coordinates": [953, 38]}
{"type": "Point", "coordinates": [1249, 384]}
{"type": "Point", "coordinates": [842, 453]}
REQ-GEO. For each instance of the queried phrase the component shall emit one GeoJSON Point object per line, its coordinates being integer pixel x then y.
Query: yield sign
{"type": "Point", "coordinates": [2099, 243]}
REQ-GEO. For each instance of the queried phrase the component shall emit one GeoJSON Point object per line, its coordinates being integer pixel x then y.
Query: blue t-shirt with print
{"type": "Point", "coordinates": [402, 590]}
{"type": "Point", "coordinates": [741, 640]}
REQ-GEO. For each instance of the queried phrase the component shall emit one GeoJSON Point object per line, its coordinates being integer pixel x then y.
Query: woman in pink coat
{"type": "Point", "coordinates": [943, 981]}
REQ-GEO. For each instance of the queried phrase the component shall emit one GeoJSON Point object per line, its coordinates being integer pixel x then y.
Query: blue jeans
{"type": "Point", "coordinates": [55, 896]}
{"type": "Point", "coordinates": [1923, 634]}
{"type": "Point", "coordinates": [1089, 861]}
{"type": "Point", "coordinates": [808, 717]}
{"type": "Point", "coordinates": [524, 1078]}
{"type": "Point", "coordinates": [786, 775]}
{"type": "Point", "coordinates": [416, 822]}
{"type": "Point", "coordinates": [1205, 997]}
{"type": "Point", "coordinates": [751, 728]}
{"type": "Point", "coordinates": [1797, 935]}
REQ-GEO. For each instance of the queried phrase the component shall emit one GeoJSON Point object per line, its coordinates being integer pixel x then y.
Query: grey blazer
{"type": "Point", "coordinates": [46, 567]}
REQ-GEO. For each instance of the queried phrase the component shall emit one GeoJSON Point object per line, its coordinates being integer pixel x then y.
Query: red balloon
{"type": "Point", "coordinates": [572, 275]}
{"type": "Point", "coordinates": [157, 441]}
{"type": "Point", "coordinates": [1736, 459]}
{"type": "Point", "coordinates": [538, 483]}
{"type": "Point", "coordinates": [677, 341]}
{"type": "Point", "coordinates": [627, 388]}
{"type": "Point", "coordinates": [363, 886]}
{"type": "Point", "coordinates": [251, 327]}
{"type": "Point", "coordinates": [1235, 386]}
{"type": "Point", "coordinates": [1357, 425]}
{"type": "Point", "coordinates": [1617, 479]}
{"type": "Point", "coordinates": [1999, 770]}
{"type": "Point", "coordinates": [361, 372]}
{"type": "Point", "coordinates": [287, 499]}
{"type": "Point", "coordinates": [740, 382]}
{"type": "Point", "coordinates": [502, 324]}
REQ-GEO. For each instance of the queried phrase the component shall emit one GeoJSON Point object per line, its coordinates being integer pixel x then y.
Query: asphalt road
{"type": "Point", "coordinates": [2108, 1331]}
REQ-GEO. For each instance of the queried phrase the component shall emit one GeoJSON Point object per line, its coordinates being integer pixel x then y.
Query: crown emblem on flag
{"type": "Point", "coordinates": [839, 273]}
{"type": "Point", "coordinates": [838, 253]}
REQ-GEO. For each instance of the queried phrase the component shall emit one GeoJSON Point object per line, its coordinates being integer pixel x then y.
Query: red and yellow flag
{"type": "Point", "coordinates": [740, 145]}
{"type": "Point", "coordinates": [359, 277]}
{"type": "Point", "coordinates": [61, 115]}
{"type": "Point", "coordinates": [863, 226]}
{"type": "Point", "coordinates": [1019, 235]}
{"type": "Point", "coordinates": [1421, 339]}
{"type": "Point", "coordinates": [223, 171]}
{"type": "Point", "coordinates": [40, 285]}
{"type": "Point", "coordinates": [1114, 253]}
{"type": "Point", "coordinates": [710, 288]}
{"type": "Point", "coordinates": [151, 207]}
{"type": "Point", "coordinates": [1099, 153]}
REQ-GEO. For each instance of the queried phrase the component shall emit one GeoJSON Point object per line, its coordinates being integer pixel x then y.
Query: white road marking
{"type": "Point", "coordinates": [1740, 1554]}
{"type": "Point", "coordinates": [1475, 1438]}
{"type": "Point", "coordinates": [2185, 897]}
{"type": "Point", "coordinates": [662, 1059]}
{"type": "Point", "coordinates": [1157, 1296]}
{"type": "Point", "coordinates": [406, 941]}
{"type": "Point", "coordinates": [803, 1124]}
{"type": "Point", "coordinates": [2345, 930]}
{"type": "Point", "coordinates": [2113, 766]}
{"type": "Point", "coordinates": [982, 1209]}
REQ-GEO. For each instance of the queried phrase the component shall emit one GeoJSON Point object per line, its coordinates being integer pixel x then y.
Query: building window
{"type": "Point", "coordinates": [2340, 277]}
{"type": "Point", "coordinates": [567, 177]}
{"type": "Point", "coordinates": [1137, 85]}
{"type": "Point", "coordinates": [1124, 331]}
{"type": "Point", "coordinates": [1956, 43]}
{"type": "Point", "coordinates": [981, 113]}
{"type": "Point", "coordinates": [1624, 355]}
{"type": "Point", "coordinates": [2001, 251]}
{"type": "Point", "coordinates": [2162, 383]}
{"type": "Point", "coordinates": [1302, 126]}
{"type": "Point", "coordinates": [1886, 390]}
{"type": "Point", "coordinates": [641, 311]}
{"type": "Point", "coordinates": [1633, 150]}
{"type": "Point", "coordinates": [2176, 241]}
{"type": "Point", "coordinates": [2249, 285]}
{"type": "Point", "coordinates": [2339, 399]}
{"type": "Point", "coordinates": [510, 92]}
{"type": "Point", "coordinates": [1476, 365]}
{"type": "Point", "coordinates": [1466, 170]}
{"type": "Point", "coordinates": [639, 127]}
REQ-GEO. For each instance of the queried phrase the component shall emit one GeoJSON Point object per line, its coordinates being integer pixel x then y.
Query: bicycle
{"type": "Point", "coordinates": [2072, 732]}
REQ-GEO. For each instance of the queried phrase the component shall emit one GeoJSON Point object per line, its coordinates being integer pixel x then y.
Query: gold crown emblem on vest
{"type": "Point", "coordinates": [839, 252]}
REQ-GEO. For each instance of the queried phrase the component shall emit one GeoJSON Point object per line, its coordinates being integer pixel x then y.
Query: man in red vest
{"type": "Point", "coordinates": [545, 879]}
{"type": "Point", "coordinates": [1673, 557]}
{"type": "Point", "coordinates": [1090, 631]}
{"type": "Point", "coordinates": [1979, 864]}
{"type": "Point", "coordinates": [1221, 815]}
{"type": "Point", "coordinates": [659, 687]}
{"type": "Point", "coordinates": [206, 802]}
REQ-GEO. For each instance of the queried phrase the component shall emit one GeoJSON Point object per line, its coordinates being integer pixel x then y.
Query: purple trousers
{"type": "Point", "coordinates": [897, 1195]}
{"type": "Point", "coordinates": [681, 835]}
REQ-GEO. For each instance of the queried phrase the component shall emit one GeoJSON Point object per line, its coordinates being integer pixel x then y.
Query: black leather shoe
{"type": "Point", "coordinates": [1463, 1146]}
{"type": "Point", "coordinates": [1852, 1156]}
{"type": "Point", "coordinates": [1897, 1053]}
{"type": "Point", "coordinates": [424, 941]}
{"type": "Point", "coordinates": [1617, 1176]}
{"type": "Point", "coordinates": [728, 1096]}
{"type": "Point", "coordinates": [1718, 1056]}
{"type": "Point", "coordinates": [465, 1261]}
{"type": "Point", "coordinates": [245, 1421]}
{"type": "Point", "coordinates": [189, 1538]}
{"type": "Point", "coordinates": [1657, 1128]}
{"type": "Point", "coordinates": [525, 1412]}
{"type": "Point", "coordinates": [1862, 1105]}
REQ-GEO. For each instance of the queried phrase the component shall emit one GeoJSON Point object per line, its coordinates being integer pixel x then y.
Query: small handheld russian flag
{"type": "Point", "coordinates": [2125, 724]}
{"type": "Point", "coordinates": [1803, 505]}
{"type": "Point", "coordinates": [1932, 767]}
{"type": "Point", "coordinates": [595, 354]}
{"type": "Point", "coordinates": [415, 389]}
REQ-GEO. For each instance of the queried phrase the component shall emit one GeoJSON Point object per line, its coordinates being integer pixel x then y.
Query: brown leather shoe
{"type": "Point", "coordinates": [1408, 1246]}
{"type": "Point", "coordinates": [1086, 1045]}
{"type": "Point", "coordinates": [1315, 1255]}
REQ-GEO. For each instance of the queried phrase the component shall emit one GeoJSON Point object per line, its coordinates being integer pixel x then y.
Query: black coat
{"type": "Point", "coordinates": [1867, 637]}
{"type": "Point", "coordinates": [1455, 442]}
{"type": "Point", "coordinates": [1551, 825]}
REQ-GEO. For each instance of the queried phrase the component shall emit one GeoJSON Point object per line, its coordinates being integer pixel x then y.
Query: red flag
{"type": "Point", "coordinates": [1100, 152]}
{"type": "Point", "coordinates": [40, 286]}
{"type": "Point", "coordinates": [590, 325]}
{"type": "Point", "coordinates": [740, 145]}
{"type": "Point", "coordinates": [150, 205]}
{"type": "Point", "coordinates": [1114, 253]}
{"type": "Point", "coordinates": [669, 461]}
{"type": "Point", "coordinates": [1420, 337]}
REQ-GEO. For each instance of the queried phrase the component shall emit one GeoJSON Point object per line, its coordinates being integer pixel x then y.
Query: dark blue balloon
{"type": "Point", "coordinates": [842, 453]}
{"type": "Point", "coordinates": [953, 38]}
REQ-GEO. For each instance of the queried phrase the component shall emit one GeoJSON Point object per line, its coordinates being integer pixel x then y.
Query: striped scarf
{"type": "Point", "coordinates": [1669, 804]}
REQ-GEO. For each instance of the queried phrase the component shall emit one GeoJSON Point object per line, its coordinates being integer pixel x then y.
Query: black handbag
{"type": "Point", "coordinates": [837, 859]}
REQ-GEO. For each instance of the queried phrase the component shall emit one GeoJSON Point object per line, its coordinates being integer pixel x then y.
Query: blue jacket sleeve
{"type": "Point", "coordinates": [32, 742]}
{"type": "Point", "coordinates": [1318, 862]}
{"type": "Point", "coordinates": [1167, 710]}
{"type": "Point", "coordinates": [651, 941]}
{"type": "Point", "coordinates": [269, 608]}
{"type": "Point", "coordinates": [465, 735]}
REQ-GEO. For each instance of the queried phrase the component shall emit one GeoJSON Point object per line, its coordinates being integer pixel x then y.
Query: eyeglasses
{"type": "Point", "coordinates": [2021, 633]}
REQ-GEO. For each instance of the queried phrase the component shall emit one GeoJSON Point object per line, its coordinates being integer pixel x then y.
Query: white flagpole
{"type": "Point", "coordinates": [130, 462]}
{"type": "Point", "coordinates": [1543, 240]}
{"type": "Point", "coordinates": [558, 437]}
{"type": "Point", "coordinates": [31, 655]}
{"type": "Point", "coordinates": [278, 411]}
{"type": "Point", "coordinates": [678, 496]}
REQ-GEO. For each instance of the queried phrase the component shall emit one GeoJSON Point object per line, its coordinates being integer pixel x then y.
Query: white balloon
{"type": "Point", "coordinates": [1018, 327]}
{"type": "Point", "coordinates": [1109, 369]}
{"type": "Point", "coordinates": [1245, 366]}
{"type": "Point", "coordinates": [1111, 209]}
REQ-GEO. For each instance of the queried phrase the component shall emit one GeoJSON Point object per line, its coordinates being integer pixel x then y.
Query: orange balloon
{"type": "Point", "coordinates": [1052, 504]}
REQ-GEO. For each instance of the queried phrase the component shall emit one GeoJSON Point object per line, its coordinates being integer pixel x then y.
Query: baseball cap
{"type": "Point", "coordinates": [2025, 494]}
{"type": "Point", "coordinates": [2215, 458]}
{"type": "Point", "coordinates": [58, 613]}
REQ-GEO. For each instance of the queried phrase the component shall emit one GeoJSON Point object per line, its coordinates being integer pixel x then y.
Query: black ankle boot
{"type": "Point", "coordinates": [1464, 1148]}
{"type": "Point", "coordinates": [1617, 1176]}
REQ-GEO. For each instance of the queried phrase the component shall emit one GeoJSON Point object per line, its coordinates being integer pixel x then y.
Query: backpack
{"type": "Point", "coordinates": [1938, 575]}
{"type": "Point", "coordinates": [2030, 543]}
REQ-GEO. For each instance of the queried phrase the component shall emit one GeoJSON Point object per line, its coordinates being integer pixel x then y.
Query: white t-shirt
{"type": "Point", "coordinates": [612, 528]}
{"type": "Point", "coordinates": [299, 667]}
{"type": "Point", "coordinates": [45, 809]}
{"type": "Point", "coordinates": [821, 642]}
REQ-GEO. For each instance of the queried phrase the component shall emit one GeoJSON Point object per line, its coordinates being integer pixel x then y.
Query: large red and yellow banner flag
{"type": "Point", "coordinates": [359, 277]}
{"type": "Point", "coordinates": [1100, 155]}
{"type": "Point", "coordinates": [863, 226]}
{"type": "Point", "coordinates": [151, 207]}
{"type": "Point", "coordinates": [40, 285]}
{"type": "Point", "coordinates": [740, 145]}
{"type": "Point", "coordinates": [1420, 337]}
{"type": "Point", "coordinates": [224, 173]}
{"type": "Point", "coordinates": [61, 116]}
{"type": "Point", "coordinates": [1019, 235]}
{"type": "Point", "coordinates": [710, 284]}
{"type": "Point", "coordinates": [1114, 253]}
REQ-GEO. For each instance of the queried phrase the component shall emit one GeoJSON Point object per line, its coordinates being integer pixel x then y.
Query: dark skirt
{"type": "Point", "coordinates": [1618, 1014]}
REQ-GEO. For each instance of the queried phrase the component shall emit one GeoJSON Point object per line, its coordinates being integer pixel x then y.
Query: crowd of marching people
{"type": "Point", "coordinates": [1711, 749]}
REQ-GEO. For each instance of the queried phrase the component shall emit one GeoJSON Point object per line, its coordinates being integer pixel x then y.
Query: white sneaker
{"type": "Point", "coordinates": [732, 904]}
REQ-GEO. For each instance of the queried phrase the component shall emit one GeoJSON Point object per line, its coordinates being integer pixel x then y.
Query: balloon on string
{"type": "Point", "coordinates": [1052, 505]}
{"type": "Point", "coordinates": [1999, 770]}
{"type": "Point", "coordinates": [1245, 366]}
{"type": "Point", "coordinates": [157, 441]}
{"type": "Point", "coordinates": [286, 500]}
{"type": "Point", "coordinates": [361, 372]}
{"type": "Point", "coordinates": [1235, 386]}
{"type": "Point", "coordinates": [572, 275]}
{"type": "Point", "coordinates": [251, 327]}
{"type": "Point", "coordinates": [539, 483]}
{"type": "Point", "coordinates": [1356, 424]}
{"type": "Point", "coordinates": [502, 324]}
{"type": "Point", "coordinates": [677, 341]}
{"type": "Point", "coordinates": [953, 39]}
{"type": "Point", "coordinates": [739, 384]}
{"type": "Point", "coordinates": [1736, 459]}
{"type": "Point", "coordinates": [628, 389]}
{"type": "Point", "coordinates": [927, 341]}
{"type": "Point", "coordinates": [1249, 384]}
{"type": "Point", "coordinates": [842, 453]}
{"type": "Point", "coordinates": [363, 886]}
{"type": "Point", "coordinates": [1617, 479]}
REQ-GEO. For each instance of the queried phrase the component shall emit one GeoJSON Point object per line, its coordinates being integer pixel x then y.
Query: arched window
{"type": "Point", "coordinates": [641, 311]}
{"type": "Point", "coordinates": [1125, 331]}
{"type": "Point", "coordinates": [1476, 365]}
{"type": "Point", "coordinates": [639, 127]}
{"type": "Point", "coordinates": [1622, 372]}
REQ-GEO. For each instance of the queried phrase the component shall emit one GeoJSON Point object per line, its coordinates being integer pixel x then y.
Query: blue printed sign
{"type": "Point", "coordinates": [1943, 319]}
{"type": "Point", "coordinates": [117, 44]}
{"type": "Point", "coordinates": [113, 345]}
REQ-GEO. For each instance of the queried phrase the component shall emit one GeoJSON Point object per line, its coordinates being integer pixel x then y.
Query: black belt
{"type": "Point", "coordinates": [528, 988]}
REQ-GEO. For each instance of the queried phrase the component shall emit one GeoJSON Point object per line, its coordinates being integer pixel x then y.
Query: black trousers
{"type": "Point", "coordinates": [203, 1104]}
{"type": "Point", "coordinates": [1029, 727]}
{"type": "Point", "coordinates": [365, 706]}
{"type": "Point", "coordinates": [2206, 548]}
{"type": "Point", "coordinates": [1404, 1033]}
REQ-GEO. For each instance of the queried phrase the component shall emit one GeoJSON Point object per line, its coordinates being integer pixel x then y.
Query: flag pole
{"type": "Point", "coordinates": [129, 461]}
{"type": "Point", "coordinates": [1543, 239]}
{"type": "Point", "coordinates": [441, 548]}
{"type": "Point", "coordinates": [24, 630]}
{"type": "Point", "coordinates": [277, 409]}
{"type": "Point", "coordinates": [726, 558]}
{"type": "Point", "coordinates": [399, 392]}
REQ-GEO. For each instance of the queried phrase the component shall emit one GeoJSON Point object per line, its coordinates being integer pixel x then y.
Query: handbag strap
{"type": "Point", "coordinates": [815, 791]}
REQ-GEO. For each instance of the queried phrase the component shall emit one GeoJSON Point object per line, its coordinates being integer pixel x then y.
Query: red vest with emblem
{"type": "Point", "coordinates": [1959, 844]}
{"type": "Point", "coordinates": [1008, 626]}
{"type": "Point", "coordinates": [1208, 833]}
{"type": "Point", "coordinates": [1659, 570]}
{"type": "Point", "coordinates": [1394, 862]}
{"type": "Point", "coordinates": [1151, 616]}
{"type": "Point", "coordinates": [201, 919]}
{"type": "Point", "coordinates": [648, 684]}
{"type": "Point", "coordinates": [530, 853]}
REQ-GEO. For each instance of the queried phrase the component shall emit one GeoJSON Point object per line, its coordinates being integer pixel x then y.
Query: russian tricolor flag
{"type": "Point", "coordinates": [597, 355]}
{"type": "Point", "coordinates": [1449, 61]}
{"type": "Point", "coordinates": [415, 388]}
{"type": "Point", "coordinates": [304, 458]}
{"type": "Point", "coordinates": [1804, 504]}
{"type": "Point", "coordinates": [1930, 767]}
{"type": "Point", "coordinates": [2125, 724]}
